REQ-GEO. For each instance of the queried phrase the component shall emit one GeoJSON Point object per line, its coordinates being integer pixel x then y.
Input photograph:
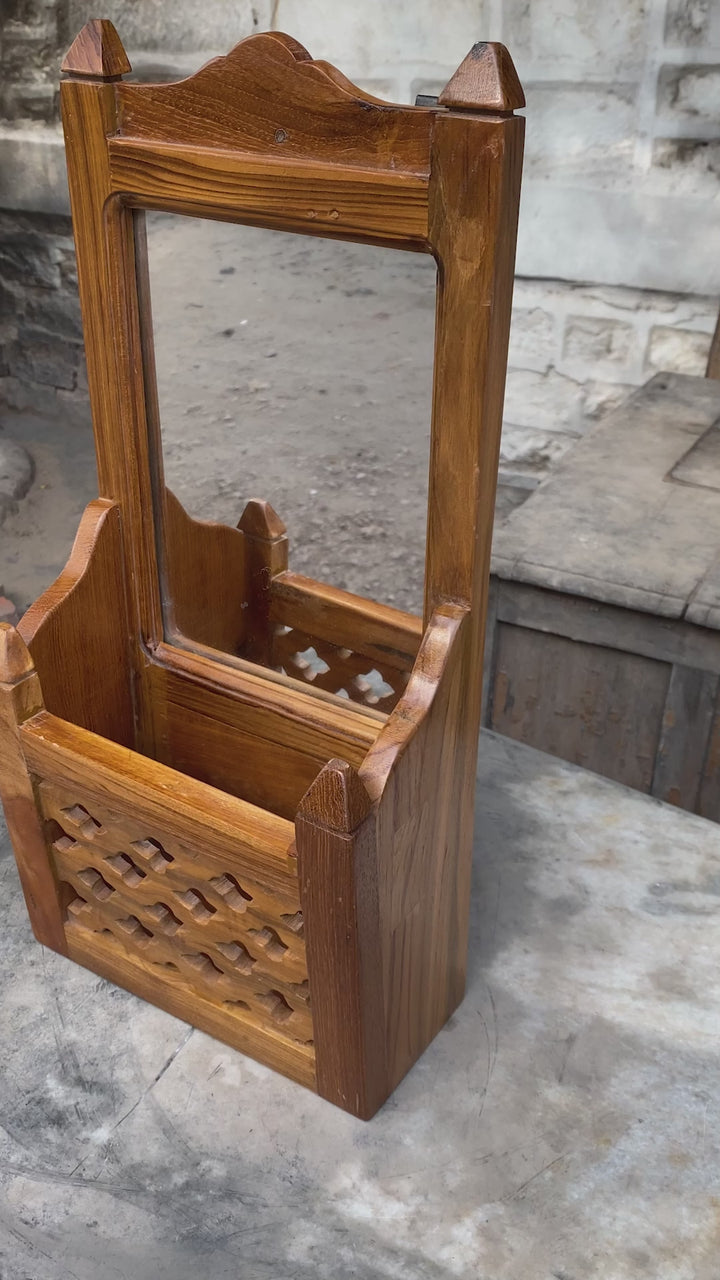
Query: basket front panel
{"type": "Point", "coordinates": [227, 939]}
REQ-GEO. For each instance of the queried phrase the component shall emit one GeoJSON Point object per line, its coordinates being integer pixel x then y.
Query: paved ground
{"type": "Point", "coordinates": [564, 1126]}
{"type": "Point", "coordinates": [292, 369]}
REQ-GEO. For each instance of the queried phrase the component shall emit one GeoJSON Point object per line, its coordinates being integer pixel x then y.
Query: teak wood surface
{"type": "Point", "coordinates": [196, 814]}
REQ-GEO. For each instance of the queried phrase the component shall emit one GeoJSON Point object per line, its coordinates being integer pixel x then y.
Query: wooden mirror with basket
{"type": "Point", "coordinates": [281, 861]}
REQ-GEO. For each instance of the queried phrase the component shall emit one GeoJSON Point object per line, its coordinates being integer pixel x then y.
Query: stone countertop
{"type": "Point", "coordinates": [564, 1124]}
{"type": "Point", "coordinates": [631, 514]}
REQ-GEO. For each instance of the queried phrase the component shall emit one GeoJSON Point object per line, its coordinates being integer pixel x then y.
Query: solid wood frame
{"type": "Point", "coordinates": [382, 803]}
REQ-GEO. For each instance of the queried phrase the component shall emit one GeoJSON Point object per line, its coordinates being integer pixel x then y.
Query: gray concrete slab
{"type": "Point", "coordinates": [564, 1125]}
{"type": "Point", "coordinates": [627, 517]}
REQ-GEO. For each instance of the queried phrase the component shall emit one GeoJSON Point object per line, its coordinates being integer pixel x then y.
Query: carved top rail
{"type": "Point", "coordinates": [268, 97]}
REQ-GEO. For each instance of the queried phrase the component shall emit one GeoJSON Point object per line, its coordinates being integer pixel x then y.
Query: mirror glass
{"type": "Point", "coordinates": [298, 371]}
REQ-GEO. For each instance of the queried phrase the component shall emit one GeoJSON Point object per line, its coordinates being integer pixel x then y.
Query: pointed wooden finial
{"type": "Point", "coordinates": [97, 51]}
{"type": "Point", "coordinates": [485, 81]}
{"type": "Point", "coordinates": [337, 798]}
{"type": "Point", "coordinates": [15, 660]}
{"type": "Point", "coordinates": [259, 520]}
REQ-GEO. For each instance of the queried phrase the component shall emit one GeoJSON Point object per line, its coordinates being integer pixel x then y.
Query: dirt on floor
{"type": "Point", "coordinates": [290, 368]}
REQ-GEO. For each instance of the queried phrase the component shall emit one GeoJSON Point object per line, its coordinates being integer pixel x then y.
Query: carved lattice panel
{"type": "Point", "coordinates": [341, 671]}
{"type": "Point", "coordinates": [235, 941]}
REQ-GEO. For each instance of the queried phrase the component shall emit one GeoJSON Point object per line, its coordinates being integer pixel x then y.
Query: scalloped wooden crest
{"type": "Point", "coordinates": [97, 51]}
{"type": "Point", "coordinates": [486, 80]}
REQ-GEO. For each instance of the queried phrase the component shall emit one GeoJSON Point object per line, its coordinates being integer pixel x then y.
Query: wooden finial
{"type": "Point", "coordinates": [259, 520]}
{"type": "Point", "coordinates": [486, 80]}
{"type": "Point", "coordinates": [97, 51]}
{"type": "Point", "coordinates": [337, 798]}
{"type": "Point", "coordinates": [15, 660]}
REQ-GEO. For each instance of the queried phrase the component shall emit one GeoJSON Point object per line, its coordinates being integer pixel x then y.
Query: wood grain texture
{"type": "Point", "coordinates": [594, 706]}
{"type": "Point", "coordinates": [97, 51]}
{"type": "Point", "coordinates": [170, 992]}
{"type": "Point", "coordinates": [278, 711]}
{"type": "Point", "coordinates": [204, 579]}
{"type": "Point", "coordinates": [685, 736]}
{"type": "Point", "coordinates": [417, 773]}
{"type": "Point", "coordinates": [268, 98]}
{"type": "Point", "coordinates": [20, 699]}
{"type": "Point", "coordinates": [485, 80]}
{"type": "Point", "coordinates": [230, 831]}
{"type": "Point", "coordinates": [337, 857]}
{"type": "Point", "coordinates": [474, 196]}
{"type": "Point", "coordinates": [388, 636]}
{"type": "Point", "coordinates": [314, 199]}
{"type": "Point", "coordinates": [266, 555]}
{"type": "Point", "coordinates": [78, 631]}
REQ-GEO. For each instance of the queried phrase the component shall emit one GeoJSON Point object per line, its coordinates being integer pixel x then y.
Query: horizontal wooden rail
{"type": "Point", "coordinates": [348, 621]}
{"type": "Point", "coordinates": [222, 825]}
{"type": "Point", "coordinates": [383, 208]}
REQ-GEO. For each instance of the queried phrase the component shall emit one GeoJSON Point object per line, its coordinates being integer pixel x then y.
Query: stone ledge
{"type": "Point", "coordinates": [32, 169]}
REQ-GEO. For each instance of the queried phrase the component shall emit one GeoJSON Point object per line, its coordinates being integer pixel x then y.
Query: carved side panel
{"type": "Point", "coordinates": [233, 942]}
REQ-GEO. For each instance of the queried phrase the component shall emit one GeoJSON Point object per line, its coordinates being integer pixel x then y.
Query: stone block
{"type": "Point", "coordinates": [549, 401]}
{"type": "Point", "coordinates": [529, 451]}
{"type": "Point", "coordinates": [73, 409]}
{"type": "Point", "coordinates": [593, 340]}
{"type": "Point", "coordinates": [600, 398]}
{"type": "Point", "coordinates": [693, 165]}
{"type": "Point", "coordinates": [364, 40]}
{"type": "Point", "coordinates": [39, 356]}
{"type": "Point", "coordinates": [605, 40]}
{"type": "Point", "coordinates": [215, 26]}
{"type": "Point", "coordinates": [56, 311]}
{"type": "Point", "coordinates": [26, 257]}
{"type": "Point", "coordinates": [532, 338]}
{"type": "Point", "coordinates": [28, 396]}
{"type": "Point", "coordinates": [687, 22]}
{"type": "Point", "coordinates": [581, 129]}
{"type": "Point", "coordinates": [692, 91]}
{"type": "Point", "coordinates": [677, 350]}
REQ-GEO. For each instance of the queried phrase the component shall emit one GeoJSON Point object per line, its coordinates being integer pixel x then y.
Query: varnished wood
{"type": "Point", "coordinates": [97, 51]}
{"type": "Point", "coordinates": [78, 631]}
{"type": "Point", "coordinates": [21, 699]}
{"type": "Point", "coordinates": [486, 77]}
{"type": "Point", "coordinates": [199, 554]}
{"type": "Point", "coordinates": [337, 853]}
{"type": "Point", "coordinates": [387, 635]}
{"type": "Point", "coordinates": [191, 812]}
{"type": "Point", "coordinates": [268, 98]}
{"type": "Point", "coordinates": [266, 552]}
{"type": "Point", "coordinates": [420, 772]}
{"type": "Point", "coordinates": [292, 195]}
{"type": "Point", "coordinates": [250, 797]}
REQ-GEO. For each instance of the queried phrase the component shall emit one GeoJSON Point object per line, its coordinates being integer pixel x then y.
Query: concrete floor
{"type": "Point", "coordinates": [563, 1126]}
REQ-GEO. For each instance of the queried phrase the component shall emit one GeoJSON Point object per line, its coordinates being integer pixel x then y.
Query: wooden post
{"type": "Point", "coordinates": [337, 851]}
{"type": "Point", "coordinates": [21, 698]}
{"type": "Point", "coordinates": [266, 554]}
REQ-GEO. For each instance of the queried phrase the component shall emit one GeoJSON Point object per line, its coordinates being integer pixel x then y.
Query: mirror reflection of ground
{"type": "Point", "coordinates": [290, 368]}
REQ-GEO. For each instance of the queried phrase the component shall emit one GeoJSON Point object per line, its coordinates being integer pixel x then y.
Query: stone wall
{"type": "Point", "coordinates": [619, 253]}
{"type": "Point", "coordinates": [42, 366]}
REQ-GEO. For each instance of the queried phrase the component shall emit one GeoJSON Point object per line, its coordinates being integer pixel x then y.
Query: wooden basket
{"type": "Point", "coordinates": [207, 823]}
